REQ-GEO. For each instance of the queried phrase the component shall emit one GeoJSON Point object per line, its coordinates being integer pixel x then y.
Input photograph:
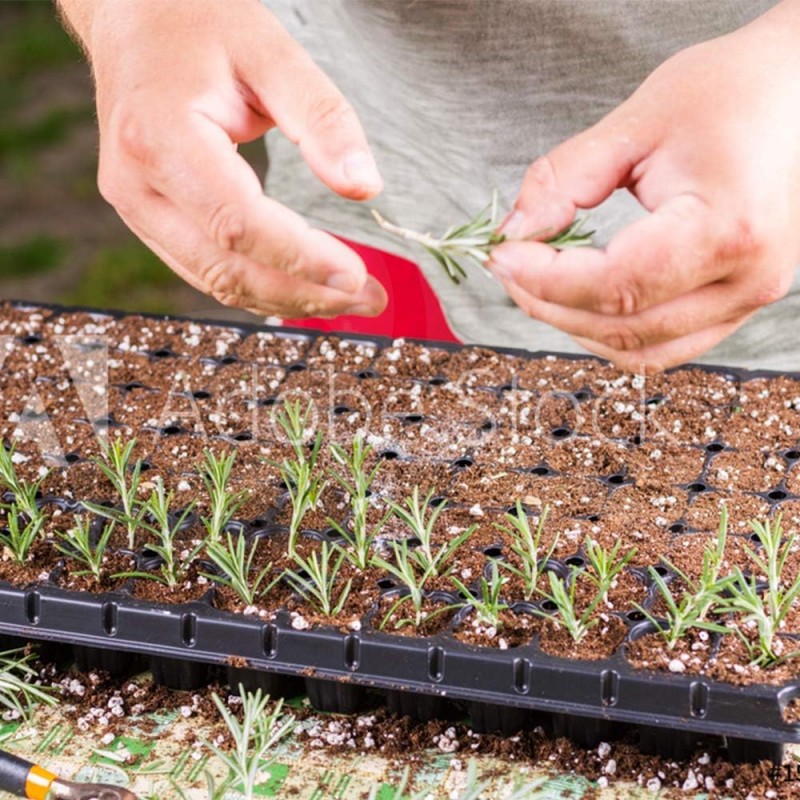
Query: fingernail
{"type": "Point", "coordinates": [343, 282]}
{"type": "Point", "coordinates": [360, 170]}
{"type": "Point", "coordinates": [359, 310]}
{"type": "Point", "coordinates": [514, 226]}
{"type": "Point", "coordinates": [499, 265]}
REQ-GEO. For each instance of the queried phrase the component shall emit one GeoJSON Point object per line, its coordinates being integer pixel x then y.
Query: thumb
{"type": "Point", "coordinates": [579, 173]}
{"type": "Point", "coordinates": [311, 112]}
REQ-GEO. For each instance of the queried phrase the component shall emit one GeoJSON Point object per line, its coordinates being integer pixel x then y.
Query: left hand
{"type": "Point", "coordinates": [710, 145]}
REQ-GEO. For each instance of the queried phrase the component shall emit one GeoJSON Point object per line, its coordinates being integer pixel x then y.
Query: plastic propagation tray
{"type": "Point", "coordinates": [424, 677]}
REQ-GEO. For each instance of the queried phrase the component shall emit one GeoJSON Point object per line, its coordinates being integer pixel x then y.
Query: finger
{"type": "Point", "coordinates": [310, 111]}
{"type": "Point", "coordinates": [659, 357]}
{"type": "Point", "coordinates": [669, 253]}
{"type": "Point", "coordinates": [702, 308]}
{"type": "Point", "coordinates": [579, 173]}
{"type": "Point", "coordinates": [216, 189]}
{"type": "Point", "coordinates": [236, 280]}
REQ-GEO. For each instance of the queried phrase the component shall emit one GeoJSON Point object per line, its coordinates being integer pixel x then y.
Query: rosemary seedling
{"type": "Point", "coordinates": [254, 737]}
{"type": "Point", "coordinates": [216, 473]}
{"type": "Point", "coordinates": [20, 533]}
{"type": "Point", "coordinates": [605, 564]}
{"type": "Point", "coordinates": [421, 517]}
{"type": "Point", "coordinates": [473, 241]}
{"type": "Point", "coordinates": [526, 546]}
{"type": "Point", "coordinates": [304, 485]}
{"type": "Point", "coordinates": [19, 692]}
{"type": "Point", "coordinates": [765, 611]}
{"type": "Point", "coordinates": [174, 564]}
{"type": "Point", "coordinates": [487, 604]}
{"type": "Point", "coordinates": [25, 493]}
{"type": "Point", "coordinates": [235, 561]}
{"type": "Point", "coordinates": [317, 577]}
{"type": "Point", "coordinates": [355, 480]}
{"type": "Point", "coordinates": [125, 475]}
{"type": "Point", "coordinates": [698, 599]}
{"type": "Point", "coordinates": [76, 542]}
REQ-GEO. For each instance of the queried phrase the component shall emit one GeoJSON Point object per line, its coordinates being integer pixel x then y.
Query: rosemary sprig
{"type": "Point", "coordinates": [19, 690]}
{"type": "Point", "coordinates": [473, 241]}
{"type": "Point", "coordinates": [20, 534]}
{"type": "Point", "coordinates": [78, 543]}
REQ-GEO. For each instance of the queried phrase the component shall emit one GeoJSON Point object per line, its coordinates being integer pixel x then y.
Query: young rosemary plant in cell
{"type": "Point", "coordinates": [304, 485]}
{"type": "Point", "coordinates": [77, 543]}
{"type": "Point", "coordinates": [164, 527]}
{"type": "Point", "coordinates": [765, 610]}
{"type": "Point", "coordinates": [578, 622]}
{"type": "Point", "coordinates": [233, 558]}
{"type": "Point", "coordinates": [473, 241]}
{"type": "Point", "coordinates": [698, 598]}
{"type": "Point", "coordinates": [19, 692]}
{"type": "Point", "coordinates": [421, 517]}
{"type": "Point", "coordinates": [526, 546]}
{"type": "Point", "coordinates": [125, 475]}
{"type": "Point", "coordinates": [316, 579]}
{"type": "Point", "coordinates": [26, 493]}
{"type": "Point", "coordinates": [260, 729]}
{"type": "Point", "coordinates": [355, 480]}
{"type": "Point", "coordinates": [20, 533]}
{"type": "Point", "coordinates": [216, 474]}
{"type": "Point", "coordinates": [487, 604]}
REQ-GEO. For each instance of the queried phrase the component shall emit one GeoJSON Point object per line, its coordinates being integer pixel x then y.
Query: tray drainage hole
{"type": "Point", "coordinates": [413, 419]}
{"type": "Point", "coordinates": [109, 616]}
{"type": "Point", "coordinates": [201, 394]}
{"type": "Point", "coordinates": [189, 629]}
{"type": "Point", "coordinates": [677, 527]}
{"type": "Point", "coordinates": [72, 458]}
{"type": "Point", "coordinates": [438, 380]}
{"type": "Point", "coordinates": [792, 455]}
{"type": "Point", "coordinates": [163, 352]}
{"type": "Point", "coordinates": [33, 604]}
{"type": "Point", "coordinates": [389, 455]}
{"type": "Point", "coordinates": [385, 584]}
{"type": "Point", "coordinates": [366, 374]}
{"type": "Point", "coordinates": [31, 338]}
{"type": "Point", "coordinates": [579, 562]}
{"type": "Point", "coordinates": [436, 663]}
{"type": "Point", "coordinates": [493, 552]}
{"type": "Point", "coordinates": [655, 400]}
{"type": "Point", "coordinates": [635, 616]}
{"type": "Point", "coordinates": [541, 470]}
{"type": "Point", "coordinates": [582, 395]}
{"type": "Point", "coordinates": [715, 447]}
{"type": "Point", "coordinates": [561, 433]}
{"type": "Point", "coordinates": [341, 410]}
{"type": "Point", "coordinates": [244, 436]}
{"type": "Point", "coordinates": [298, 366]}
{"type": "Point", "coordinates": [171, 430]}
{"type": "Point", "coordinates": [777, 494]}
{"type": "Point", "coordinates": [438, 501]}
{"type": "Point", "coordinates": [226, 360]}
{"type": "Point", "coordinates": [269, 642]}
{"type": "Point", "coordinates": [661, 570]}
{"type": "Point", "coordinates": [267, 402]}
{"type": "Point", "coordinates": [617, 479]}
{"type": "Point", "coordinates": [488, 425]}
{"type": "Point", "coordinates": [697, 487]}
{"type": "Point", "coordinates": [548, 605]}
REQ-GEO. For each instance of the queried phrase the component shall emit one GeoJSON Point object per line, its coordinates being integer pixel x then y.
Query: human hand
{"type": "Point", "coordinates": [709, 145]}
{"type": "Point", "coordinates": [179, 85]}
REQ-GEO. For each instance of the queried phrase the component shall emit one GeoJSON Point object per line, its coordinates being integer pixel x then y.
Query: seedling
{"type": "Point", "coordinates": [421, 519]}
{"type": "Point", "coordinates": [235, 561]}
{"type": "Point", "coordinates": [526, 545]}
{"type": "Point", "coordinates": [19, 693]}
{"type": "Point", "coordinates": [355, 479]}
{"type": "Point", "coordinates": [765, 611]}
{"type": "Point", "coordinates": [76, 542]}
{"type": "Point", "coordinates": [216, 474]}
{"type": "Point", "coordinates": [305, 487]}
{"type": "Point", "coordinates": [317, 578]}
{"type": "Point", "coordinates": [20, 533]}
{"type": "Point", "coordinates": [124, 474]}
{"type": "Point", "coordinates": [259, 731]}
{"type": "Point", "coordinates": [606, 566]}
{"type": "Point", "coordinates": [174, 565]}
{"type": "Point", "coordinates": [26, 494]}
{"type": "Point", "coordinates": [698, 599]}
{"type": "Point", "coordinates": [487, 604]}
{"type": "Point", "coordinates": [473, 241]}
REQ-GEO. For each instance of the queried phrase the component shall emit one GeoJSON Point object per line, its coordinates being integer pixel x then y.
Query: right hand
{"type": "Point", "coordinates": [179, 85]}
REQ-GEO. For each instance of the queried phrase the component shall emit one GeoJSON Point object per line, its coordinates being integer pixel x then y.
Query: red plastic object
{"type": "Point", "coordinates": [413, 310]}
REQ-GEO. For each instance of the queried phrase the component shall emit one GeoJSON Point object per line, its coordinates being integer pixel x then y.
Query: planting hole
{"type": "Point", "coordinates": [548, 605]}
{"type": "Point", "coordinates": [72, 458]}
{"type": "Point", "coordinates": [576, 561]}
{"type": "Point", "coordinates": [439, 380]}
{"type": "Point", "coordinates": [31, 338]}
{"type": "Point", "coordinates": [792, 455]}
{"type": "Point", "coordinates": [635, 616]}
{"type": "Point", "coordinates": [298, 366]}
{"type": "Point", "coordinates": [715, 447]}
{"type": "Point", "coordinates": [201, 394]}
{"type": "Point", "coordinates": [677, 527]}
{"type": "Point", "coordinates": [389, 455]}
{"type": "Point", "coordinates": [163, 352]}
{"type": "Point", "coordinates": [366, 374]}
{"type": "Point", "coordinates": [413, 419]}
{"type": "Point", "coordinates": [384, 584]}
{"type": "Point", "coordinates": [463, 463]}
{"type": "Point", "coordinates": [244, 436]}
{"type": "Point", "coordinates": [561, 433]}
{"type": "Point", "coordinates": [541, 470]}
{"type": "Point", "coordinates": [697, 487]}
{"type": "Point", "coordinates": [616, 480]}
{"type": "Point", "coordinates": [488, 425]}
{"type": "Point", "coordinates": [582, 395]}
{"type": "Point", "coordinates": [777, 494]}
{"type": "Point", "coordinates": [171, 430]}
{"type": "Point", "coordinates": [493, 552]}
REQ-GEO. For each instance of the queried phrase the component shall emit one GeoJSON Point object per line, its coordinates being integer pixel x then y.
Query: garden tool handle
{"type": "Point", "coordinates": [23, 779]}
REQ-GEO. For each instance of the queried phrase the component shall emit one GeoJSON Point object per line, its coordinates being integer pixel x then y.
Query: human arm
{"type": "Point", "coordinates": [178, 86]}
{"type": "Point", "coordinates": [708, 145]}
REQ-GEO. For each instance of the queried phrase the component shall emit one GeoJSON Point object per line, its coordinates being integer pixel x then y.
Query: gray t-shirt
{"type": "Point", "coordinates": [459, 96]}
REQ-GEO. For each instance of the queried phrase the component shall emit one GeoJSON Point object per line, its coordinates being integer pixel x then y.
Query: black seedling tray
{"type": "Point", "coordinates": [423, 677]}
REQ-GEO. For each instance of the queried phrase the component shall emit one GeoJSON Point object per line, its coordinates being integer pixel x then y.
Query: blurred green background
{"type": "Point", "coordinates": [59, 240]}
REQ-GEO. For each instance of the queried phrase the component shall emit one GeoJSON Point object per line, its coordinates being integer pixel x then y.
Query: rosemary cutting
{"type": "Point", "coordinates": [473, 241]}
